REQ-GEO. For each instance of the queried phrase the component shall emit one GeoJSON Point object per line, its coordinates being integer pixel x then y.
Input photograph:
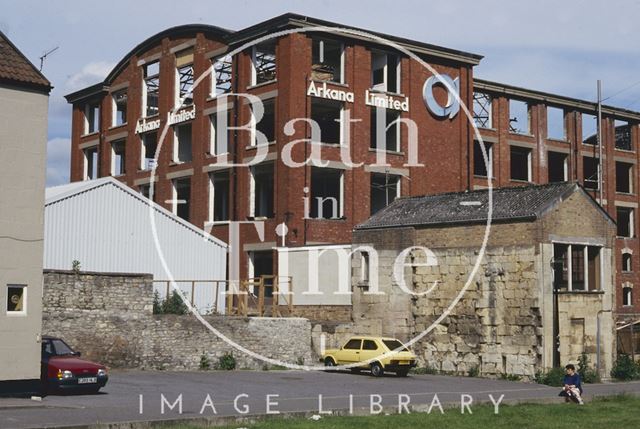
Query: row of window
{"type": "Point", "coordinates": [325, 200]}
{"type": "Point", "coordinates": [327, 65]}
{"type": "Point", "coordinates": [520, 122]}
{"type": "Point", "coordinates": [557, 167]}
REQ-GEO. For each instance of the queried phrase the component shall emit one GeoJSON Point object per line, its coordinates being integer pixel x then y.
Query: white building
{"type": "Point", "coordinates": [107, 227]}
{"type": "Point", "coordinates": [24, 100]}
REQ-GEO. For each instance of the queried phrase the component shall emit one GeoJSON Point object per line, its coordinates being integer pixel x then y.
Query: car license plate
{"type": "Point", "coordinates": [87, 380]}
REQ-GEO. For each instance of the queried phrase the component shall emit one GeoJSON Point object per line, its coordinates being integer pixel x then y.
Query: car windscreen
{"type": "Point", "coordinates": [61, 348]}
{"type": "Point", "coordinates": [395, 344]}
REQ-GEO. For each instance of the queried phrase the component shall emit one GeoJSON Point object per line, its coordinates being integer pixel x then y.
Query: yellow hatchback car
{"type": "Point", "coordinates": [370, 351]}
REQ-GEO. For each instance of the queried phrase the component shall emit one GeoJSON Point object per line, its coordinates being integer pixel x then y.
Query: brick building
{"type": "Point", "coordinates": [325, 75]}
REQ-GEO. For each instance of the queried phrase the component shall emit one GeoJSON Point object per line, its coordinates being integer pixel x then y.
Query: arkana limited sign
{"type": "Point", "coordinates": [391, 101]}
{"type": "Point", "coordinates": [184, 115]}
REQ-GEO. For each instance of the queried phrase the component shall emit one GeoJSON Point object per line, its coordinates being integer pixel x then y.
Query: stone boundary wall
{"type": "Point", "coordinates": [109, 318]}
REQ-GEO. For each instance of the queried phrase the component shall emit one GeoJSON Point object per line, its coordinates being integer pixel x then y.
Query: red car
{"type": "Point", "coordinates": [62, 369]}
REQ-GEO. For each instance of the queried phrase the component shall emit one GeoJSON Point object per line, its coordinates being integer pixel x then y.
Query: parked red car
{"type": "Point", "coordinates": [62, 368]}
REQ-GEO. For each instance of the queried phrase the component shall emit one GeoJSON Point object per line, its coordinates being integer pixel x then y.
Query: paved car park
{"type": "Point", "coordinates": [137, 395]}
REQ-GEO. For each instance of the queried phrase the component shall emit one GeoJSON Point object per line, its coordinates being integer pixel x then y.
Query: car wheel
{"type": "Point", "coordinates": [329, 362]}
{"type": "Point", "coordinates": [376, 369]}
{"type": "Point", "coordinates": [402, 372]}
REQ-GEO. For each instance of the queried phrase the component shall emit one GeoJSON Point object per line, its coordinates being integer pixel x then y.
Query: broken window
{"type": "Point", "coordinates": [590, 172]}
{"type": "Point", "coordinates": [482, 110]}
{"type": "Point", "coordinates": [221, 75]}
{"type": "Point", "coordinates": [181, 198]}
{"type": "Point", "coordinates": [326, 193]}
{"type": "Point", "coordinates": [624, 177]}
{"type": "Point", "coordinates": [589, 129]}
{"type": "Point", "coordinates": [118, 157]}
{"type": "Point", "coordinates": [16, 298]}
{"type": "Point", "coordinates": [519, 117]}
{"type": "Point", "coordinates": [262, 176]}
{"type": "Point", "coordinates": [92, 118]}
{"type": "Point", "coordinates": [385, 72]}
{"type": "Point", "coordinates": [267, 124]}
{"type": "Point", "coordinates": [555, 123]}
{"type": "Point", "coordinates": [145, 190]}
{"type": "Point", "coordinates": [119, 108]}
{"type": "Point", "coordinates": [385, 129]}
{"type": "Point", "coordinates": [623, 135]}
{"type": "Point", "coordinates": [520, 163]}
{"type": "Point", "coordinates": [558, 167]}
{"type": "Point", "coordinates": [219, 196]}
{"type": "Point", "coordinates": [627, 296]}
{"type": "Point", "coordinates": [327, 114]}
{"type": "Point", "coordinates": [264, 62]}
{"type": "Point", "coordinates": [479, 165]}
{"type": "Point", "coordinates": [91, 163]}
{"type": "Point", "coordinates": [327, 60]}
{"type": "Point", "coordinates": [151, 88]}
{"type": "Point", "coordinates": [624, 219]}
{"type": "Point", "coordinates": [626, 262]}
{"type": "Point", "coordinates": [184, 78]}
{"type": "Point", "coordinates": [576, 267]}
{"type": "Point", "coordinates": [148, 150]}
{"type": "Point", "coordinates": [384, 189]}
{"type": "Point", "coordinates": [182, 143]}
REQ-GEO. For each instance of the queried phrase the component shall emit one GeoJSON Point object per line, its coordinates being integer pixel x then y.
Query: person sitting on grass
{"type": "Point", "coordinates": [572, 387]}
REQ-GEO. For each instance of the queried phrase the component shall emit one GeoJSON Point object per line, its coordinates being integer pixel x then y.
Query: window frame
{"type": "Point", "coordinates": [175, 158]}
{"type": "Point", "coordinates": [516, 131]}
{"type": "Point", "coordinates": [254, 70]}
{"type": "Point", "coordinates": [252, 190]}
{"type": "Point", "coordinates": [489, 149]}
{"type": "Point", "coordinates": [341, 124]}
{"type": "Point", "coordinates": [529, 151]}
{"type": "Point", "coordinates": [92, 106]}
{"type": "Point", "coordinates": [174, 200]}
{"type": "Point", "coordinates": [340, 199]}
{"type": "Point", "coordinates": [627, 296]}
{"type": "Point", "coordinates": [384, 86]}
{"type": "Point", "coordinates": [212, 196]}
{"type": "Point", "coordinates": [23, 312]}
{"type": "Point", "coordinates": [585, 266]}
{"type": "Point", "coordinates": [123, 159]}
{"type": "Point", "coordinates": [94, 162]}
{"type": "Point", "coordinates": [565, 166]}
{"type": "Point", "coordinates": [321, 42]}
{"type": "Point", "coordinates": [114, 109]}
{"type": "Point", "coordinates": [145, 89]}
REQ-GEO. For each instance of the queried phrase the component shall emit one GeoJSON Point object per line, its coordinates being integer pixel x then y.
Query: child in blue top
{"type": "Point", "coordinates": [572, 386]}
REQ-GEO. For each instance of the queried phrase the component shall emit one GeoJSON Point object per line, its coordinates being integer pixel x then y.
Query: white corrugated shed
{"type": "Point", "coordinates": [107, 227]}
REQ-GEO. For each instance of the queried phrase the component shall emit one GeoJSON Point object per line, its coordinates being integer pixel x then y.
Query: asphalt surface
{"type": "Point", "coordinates": [297, 391]}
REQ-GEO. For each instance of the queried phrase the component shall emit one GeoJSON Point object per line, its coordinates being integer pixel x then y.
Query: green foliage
{"type": "Point", "coordinates": [625, 368]}
{"type": "Point", "coordinates": [425, 370]}
{"type": "Point", "coordinates": [205, 364]}
{"type": "Point", "coordinates": [587, 374]}
{"type": "Point", "coordinates": [171, 305]}
{"type": "Point", "coordinates": [75, 266]}
{"type": "Point", "coordinates": [553, 377]}
{"type": "Point", "coordinates": [226, 362]}
{"type": "Point", "coordinates": [300, 361]}
{"type": "Point", "coordinates": [474, 371]}
{"type": "Point", "coordinates": [510, 377]}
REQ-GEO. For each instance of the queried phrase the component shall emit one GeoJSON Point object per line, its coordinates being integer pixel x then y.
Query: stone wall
{"type": "Point", "coordinates": [108, 317]}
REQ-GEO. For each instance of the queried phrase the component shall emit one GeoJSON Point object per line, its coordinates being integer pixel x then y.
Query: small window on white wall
{"type": "Point", "coordinates": [16, 299]}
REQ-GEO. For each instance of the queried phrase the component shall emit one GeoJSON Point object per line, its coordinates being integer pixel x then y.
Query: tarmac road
{"type": "Point", "coordinates": [137, 396]}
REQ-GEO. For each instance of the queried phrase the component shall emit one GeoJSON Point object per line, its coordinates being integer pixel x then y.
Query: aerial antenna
{"type": "Point", "coordinates": [45, 55]}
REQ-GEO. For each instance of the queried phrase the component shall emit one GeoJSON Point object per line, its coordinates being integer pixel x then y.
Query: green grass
{"type": "Point", "coordinates": [613, 412]}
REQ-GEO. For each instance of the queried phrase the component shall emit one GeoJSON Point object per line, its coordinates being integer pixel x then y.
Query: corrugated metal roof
{"type": "Point", "coordinates": [108, 227]}
{"type": "Point", "coordinates": [16, 68]}
{"type": "Point", "coordinates": [509, 204]}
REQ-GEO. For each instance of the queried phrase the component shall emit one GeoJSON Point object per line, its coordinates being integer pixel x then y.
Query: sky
{"type": "Point", "coordinates": [556, 46]}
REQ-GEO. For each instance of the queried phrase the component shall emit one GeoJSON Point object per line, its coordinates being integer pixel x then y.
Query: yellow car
{"type": "Point", "coordinates": [370, 351]}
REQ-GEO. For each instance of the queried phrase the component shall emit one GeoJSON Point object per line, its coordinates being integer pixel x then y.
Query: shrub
{"type": "Point", "coordinates": [226, 362]}
{"type": "Point", "coordinates": [474, 371]}
{"type": "Point", "coordinates": [205, 364]}
{"type": "Point", "coordinates": [425, 370]}
{"type": "Point", "coordinates": [553, 377]}
{"type": "Point", "coordinates": [587, 374]}
{"type": "Point", "coordinates": [171, 305]}
{"type": "Point", "coordinates": [510, 377]}
{"type": "Point", "coordinates": [625, 368]}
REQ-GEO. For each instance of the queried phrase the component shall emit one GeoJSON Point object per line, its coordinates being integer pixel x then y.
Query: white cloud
{"type": "Point", "coordinates": [90, 74]}
{"type": "Point", "coordinates": [58, 161]}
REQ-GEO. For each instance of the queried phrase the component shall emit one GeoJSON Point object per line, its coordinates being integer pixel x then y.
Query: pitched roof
{"type": "Point", "coordinates": [16, 69]}
{"type": "Point", "coordinates": [509, 204]}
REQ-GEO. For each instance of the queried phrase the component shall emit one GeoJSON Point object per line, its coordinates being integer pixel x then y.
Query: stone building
{"type": "Point", "coordinates": [545, 273]}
